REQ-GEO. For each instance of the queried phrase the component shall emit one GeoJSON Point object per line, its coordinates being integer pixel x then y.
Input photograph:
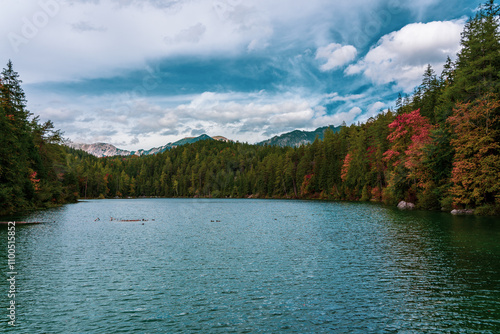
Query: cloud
{"type": "Point", "coordinates": [105, 37]}
{"type": "Point", "coordinates": [198, 132]}
{"type": "Point", "coordinates": [322, 118]}
{"type": "Point", "coordinates": [421, 6]}
{"type": "Point", "coordinates": [372, 111]}
{"type": "Point", "coordinates": [62, 115]}
{"type": "Point", "coordinates": [402, 56]}
{"type": "Point", "coordinates": [336, 55]}
{"type": "Point", "coordinates": [238, 116]}
{"type": "Point", "coordinates": [192, 34]}
{"type": "Point", "coordinates": [209, 58]}
{"type": "Point", "coordinates": [85, 26]}
{"type": "Point", "coordinates": [376, 108]}
{"type": "Point", "coordinates": [335, 97]}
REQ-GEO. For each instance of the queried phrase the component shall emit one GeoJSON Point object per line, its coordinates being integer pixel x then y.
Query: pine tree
{"type": "Point", "coordinates": [16, 176]}
{"type": "Point", "coordinates": [478, 65]}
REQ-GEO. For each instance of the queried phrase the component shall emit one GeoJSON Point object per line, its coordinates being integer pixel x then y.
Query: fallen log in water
{"type": "Point", "coordinates": [21, 223]}
{"type": "Point", "coordinates": [133, 220]}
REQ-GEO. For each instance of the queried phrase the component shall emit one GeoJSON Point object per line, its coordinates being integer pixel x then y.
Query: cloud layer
{"type": "Point", "coordinates": [106, 37]}
{"type": "Point", "coordinates": [142, 73]}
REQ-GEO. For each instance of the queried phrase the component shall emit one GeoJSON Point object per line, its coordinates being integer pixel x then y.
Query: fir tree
{"type": "Point", "coordinates": [478, 64]}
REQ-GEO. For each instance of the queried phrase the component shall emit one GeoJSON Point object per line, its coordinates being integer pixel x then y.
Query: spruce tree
{"type": "Point", "coordinates": [478, 64]}
{"type": "Point", "coordinates": [16, 142]}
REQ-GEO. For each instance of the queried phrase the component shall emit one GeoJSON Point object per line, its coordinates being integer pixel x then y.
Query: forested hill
{"type": "Point", "coordinates": [439, 148]}
{"type": "Point", "coordinates": [298, 137]}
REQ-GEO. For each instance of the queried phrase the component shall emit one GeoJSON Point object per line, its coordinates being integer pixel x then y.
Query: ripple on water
{"type": "Point", "coordinates": [265, 267]}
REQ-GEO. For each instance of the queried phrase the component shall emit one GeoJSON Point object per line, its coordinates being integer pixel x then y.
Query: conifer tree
{"type": "Point", "coordinates": [16, 141]}
{"type": "Point", "coordinates": [477, 69]}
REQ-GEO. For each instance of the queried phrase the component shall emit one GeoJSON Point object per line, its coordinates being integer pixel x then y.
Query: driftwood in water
{"type": "Point", "coordinates": [20, 223]}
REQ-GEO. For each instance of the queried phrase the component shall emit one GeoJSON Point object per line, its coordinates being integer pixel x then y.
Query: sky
{"type": "Point", "coordinates": [140, 74]}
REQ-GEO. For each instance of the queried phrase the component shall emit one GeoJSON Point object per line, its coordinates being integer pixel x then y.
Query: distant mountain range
{"type": "Point", "coordinates": [298, 137]}
{"type": "Point", "coordinates": [294, 138]}
{"type": "Point", "coordinates": [107, 150]}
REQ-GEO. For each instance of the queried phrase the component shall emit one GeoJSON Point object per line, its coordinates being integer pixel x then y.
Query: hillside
{"type": "Point", "coordinates": [298, 137]}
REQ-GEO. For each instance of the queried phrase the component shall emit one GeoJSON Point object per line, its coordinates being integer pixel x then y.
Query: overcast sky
{"type": "Point", "coordinates": [140, 74]}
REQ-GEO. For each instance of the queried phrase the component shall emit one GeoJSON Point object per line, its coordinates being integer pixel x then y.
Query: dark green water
{"type": "Point", "coordinates": [253, 266]}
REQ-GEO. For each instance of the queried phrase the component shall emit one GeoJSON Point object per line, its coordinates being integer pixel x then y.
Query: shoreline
{"type": "Point", "coordinates": [452, 211]}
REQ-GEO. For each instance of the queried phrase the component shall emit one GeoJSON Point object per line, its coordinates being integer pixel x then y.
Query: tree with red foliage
{"type": "Point", "coordinates": [410, 133]}
{"type": "Point", "coordinates": [346, 166]}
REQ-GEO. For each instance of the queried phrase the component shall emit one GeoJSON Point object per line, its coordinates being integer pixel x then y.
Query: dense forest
{"type": "Point", "coordinates": [438, 148]}
{"type": "Point", "coordinates": [34, 171]}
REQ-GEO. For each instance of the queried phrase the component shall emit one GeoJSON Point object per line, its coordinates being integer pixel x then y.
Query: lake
{"type": "Point", "coordinates": [252, 266]}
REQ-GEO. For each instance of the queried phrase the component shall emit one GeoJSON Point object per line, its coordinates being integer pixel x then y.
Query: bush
{"type": "Point", "coordinates": [388, 197]}
{"type": "Point", "coordinates": [447, 203]}
{"type": "Point", "coordinates": [488, 210]}
{"type": "Point", "coordinates": [365, 194]}
{"type": "Point", "coordinates": [429, 200]}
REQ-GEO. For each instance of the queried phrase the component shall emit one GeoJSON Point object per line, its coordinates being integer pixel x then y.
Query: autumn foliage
{"type": "Point", "coordinates": [476, 169]}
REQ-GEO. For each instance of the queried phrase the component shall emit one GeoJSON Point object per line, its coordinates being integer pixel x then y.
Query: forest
{"type": "Point", "coordinates": [34, 171]}
{"type": "Point", "coordinates": [438, 148]}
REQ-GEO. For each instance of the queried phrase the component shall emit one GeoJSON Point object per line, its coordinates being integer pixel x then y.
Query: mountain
{"type": "Point", "coordinates": [100, 149]}
{"type": "Point", "coordinates": [294, 138]}
{"type": "Point", "coordinates": [183, 141]}
{"type": "Point", "coordinates": [298, 137]}
{"type": "Point", "coordinates": [220, 138]}
{"type": "Point", "coordinates": [107, 150]}
{"type": "Point", "coordinates": [190, 140]}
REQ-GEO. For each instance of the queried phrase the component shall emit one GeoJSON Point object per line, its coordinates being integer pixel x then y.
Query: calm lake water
{"type": "Point", "coordinates": [253, 266]}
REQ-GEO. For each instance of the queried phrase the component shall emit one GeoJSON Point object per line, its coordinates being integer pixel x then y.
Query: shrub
{"type": "Point", "coordinates": [429, 200]}
{"type": "Point", "coordinates": [488, 210]}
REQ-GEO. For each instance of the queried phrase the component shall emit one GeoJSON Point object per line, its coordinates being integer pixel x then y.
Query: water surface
{"type": "Point", "coordinates": [253, 266]}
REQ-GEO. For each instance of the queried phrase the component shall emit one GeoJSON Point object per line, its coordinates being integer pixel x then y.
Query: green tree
{"type": "Point", "coordinates": [477, 70]}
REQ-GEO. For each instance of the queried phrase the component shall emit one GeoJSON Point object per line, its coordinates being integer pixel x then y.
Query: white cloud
{"type": "Point", "coordinates": [335, 97]}
{"type": "Point", "coordinates": [59, 114]}
{"type": "Point", "coordinates": [403, 55]}
{"type": "Point", "coordinates": [192, 34]}
{"type": "Point", "coordinates": [336, 55]}
{"type": "Point", "coordinates": [322, 118]}
{"type": "Point", "coordinates": [375, 108]}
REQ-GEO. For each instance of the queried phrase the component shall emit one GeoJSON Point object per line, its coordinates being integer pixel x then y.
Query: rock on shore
{"type": "Point", "coordinates": [462, 212]}
{"type": "Point", "coordinates": [406, 205]}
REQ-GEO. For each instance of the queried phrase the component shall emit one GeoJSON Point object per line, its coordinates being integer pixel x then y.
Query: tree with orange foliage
{"type": "Point", "coordinates": [476, 167]}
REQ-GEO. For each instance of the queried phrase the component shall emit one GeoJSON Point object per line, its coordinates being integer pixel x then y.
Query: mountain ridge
{"type": "Point", "coordinates": [298, 137]}
{"type": "Point", "coordinates": [102, 150]}
{"type": "Point", "coordinates": [293, 139]}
